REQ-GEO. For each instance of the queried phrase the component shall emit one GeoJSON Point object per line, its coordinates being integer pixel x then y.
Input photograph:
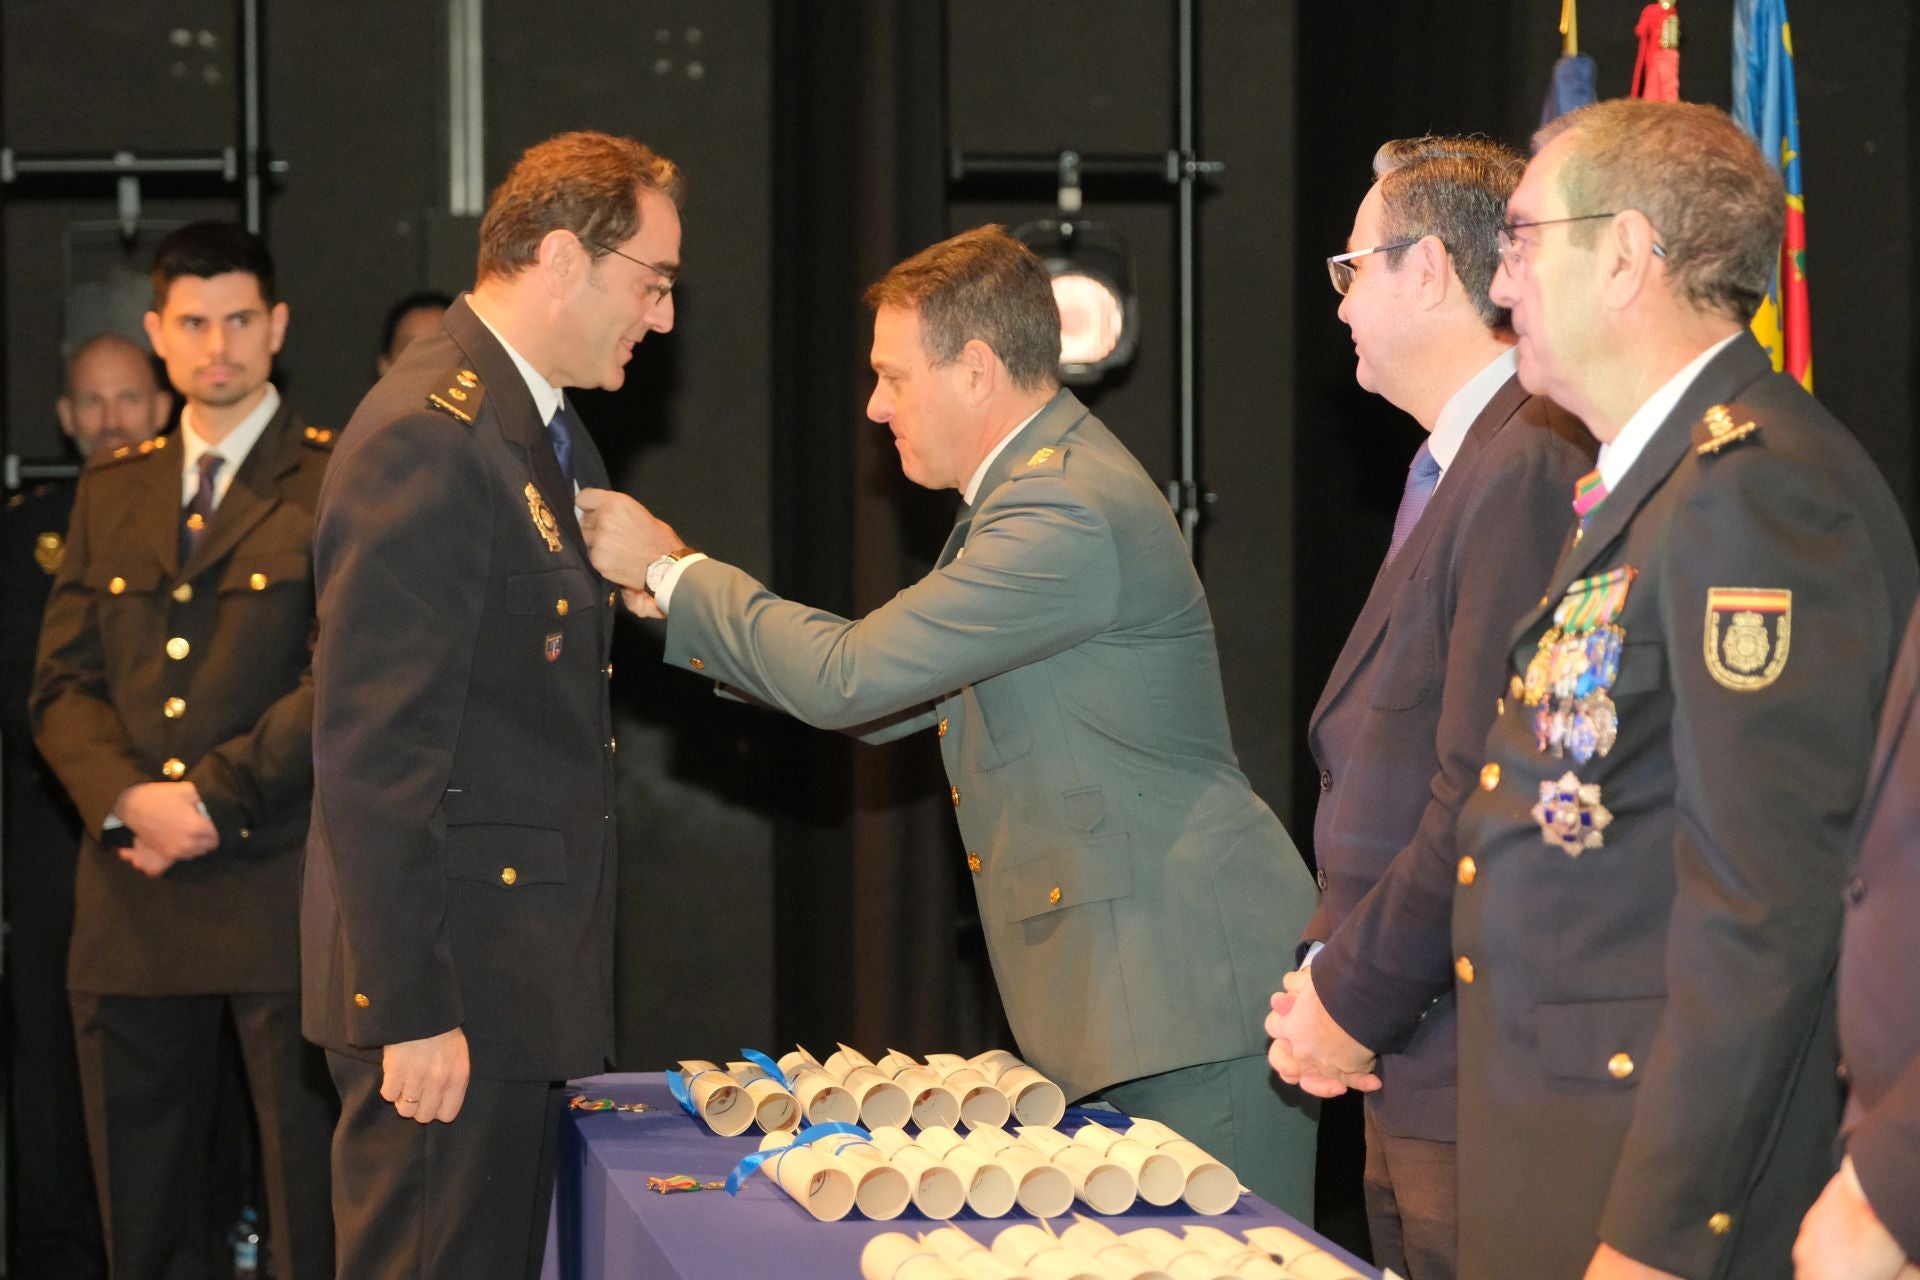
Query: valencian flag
{"type": "Point", "coordinates": [1764, 105]}
{"type": "Point", "coordinates": [1572, 85]}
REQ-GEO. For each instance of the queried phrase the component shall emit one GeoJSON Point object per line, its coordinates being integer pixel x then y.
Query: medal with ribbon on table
{"type": "Point", "coordinates": [1575, 665]}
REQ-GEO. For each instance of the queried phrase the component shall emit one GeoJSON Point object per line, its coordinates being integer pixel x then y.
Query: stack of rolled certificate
{"type": "Point", "coordinates": [717, 1097]}
{"type": "Point", "coordinates": [1089, 1250]}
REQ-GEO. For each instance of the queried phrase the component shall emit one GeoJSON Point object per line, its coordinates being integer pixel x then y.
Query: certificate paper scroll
{"type": "Point", "coordinates": [1211, 1187]}
{"type": "Point", "coordinates": [1035, 1099]}
{"type": "Point", "coordinates": [933, 1103]}
{"type": "Point", "coordinates": [974, 1258]}
{"type": "Point", "coordinates": [882, 1102]}
{"type": "Point", "coordinates": [1104, 1186]}
{"type": "Point", "coordinates": [821, 1186]}
{"type": "Point", "coordinates": [894, 1256]}
{"type": "Point", "coordinates": [717, 1097]}
{"type": "Point", "coordinates": [1041, 1255]}
{"type": "Point", "coordinates": [1235, 1254]}
{"type": "Point", "coordinates": [1116, 1257]}
{"type": "Point", "coordinates": [980, 1102]}
{"type": "Point", "coordinates": [820, 1096]}
{"type": "Point", "coordinates": [1159, 1175]}
{"type": "Point", "coordinates": [938, 1191]}
{"type": "Point", "coordinates": [774, 1109]}
{"type": "Point", "coordinates": [990, 1184]}
{"type": "Point", "coordinates": [1043, 1190]}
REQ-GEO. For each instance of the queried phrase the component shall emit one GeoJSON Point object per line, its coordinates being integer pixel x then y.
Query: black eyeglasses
{"type": "Point", "coordinates": [1340, 265]}
{"type": "Point", "coordinates": [657, 292]}
{"type": "Point", "coordinates": [1513, 250]}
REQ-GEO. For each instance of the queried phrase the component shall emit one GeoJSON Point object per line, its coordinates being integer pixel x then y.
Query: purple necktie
{"type": "Point", "coordinates": [200, 510]}
{"type": "Point", "coordinates": [1422, 475]}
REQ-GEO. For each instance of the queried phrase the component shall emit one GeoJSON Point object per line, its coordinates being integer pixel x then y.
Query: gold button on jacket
{"type": "Point", "coordinates": [258, 582]}
{"type": "Point", "coordinates": [174, 708]}
{"type": "Point", "coordinates": [1620, 1066]}
{"type": "Point", "coordinates": [508, 875]}
{"type": "Point", "coordinates": [973, 863]}
{"type": "Point", "coordinates": [1720, 1223]}
{"type": "Point", "coordinates": [560, 606]}
{"type": "Point", "coordinates": [943, 727]}
{"type": "Point", "coordinates": [955, 793]}
{"type": "Point", "coordinates": [696, 664]}
{"type": "Point", "coordinates": [361, 1000]}
{"type": "Point", "coordinates": [174, 769]}
{"type": "Point", "coordinates": [1468, 870]}
{"type": "Point", "coordinates": [1490, 777]}
{"type": "Point", "coordinates": [116, 586]}
{"type": "Point", "coordinates": [178, 648]}
{"type": "Point", "coordinates": [184, 593]}
{"type": "Point", "coordinates": [1463, 970]}
{"type": "Point", "coordinates": [1053, 895]}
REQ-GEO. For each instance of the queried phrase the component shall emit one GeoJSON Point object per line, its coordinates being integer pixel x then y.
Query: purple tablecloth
{"type": "Point", "coordinates": [606, 1222]}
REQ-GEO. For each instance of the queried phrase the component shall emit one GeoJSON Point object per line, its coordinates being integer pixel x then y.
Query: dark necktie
{"type": "Point", "coordinates": [200, 510]}
{"type": "Point", "coordinates": [1422, 475]}
{"type": "Point", "coordinates": [560, 430]}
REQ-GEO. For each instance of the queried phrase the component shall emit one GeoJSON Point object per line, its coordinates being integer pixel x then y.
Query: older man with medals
{"type": "Point", "coordinates": [1647, 903]}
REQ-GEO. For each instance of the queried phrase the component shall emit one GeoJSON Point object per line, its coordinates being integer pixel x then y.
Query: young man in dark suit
{"type": "Point", "coordinates": [457, 920]}
{"type": "Point", "coordinates": [1398, 729]}
{"type": "Point", "coordinates": [173, 699]}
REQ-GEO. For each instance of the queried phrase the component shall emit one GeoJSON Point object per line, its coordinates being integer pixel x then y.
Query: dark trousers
{"type": "Point", "coordinates": [1409, 1187]}
{"type": "Point", "coordinates": [469, 1198]}
{"type": "Point", "coordinates": [56, 1220]}
{"type": "Point", "coordinates": [150, 1072]}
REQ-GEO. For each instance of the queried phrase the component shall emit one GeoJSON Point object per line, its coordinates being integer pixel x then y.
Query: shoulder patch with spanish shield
{"type": "Point", "coordinates": [1747, 634]}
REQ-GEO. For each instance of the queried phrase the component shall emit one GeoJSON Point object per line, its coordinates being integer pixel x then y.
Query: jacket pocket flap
{"type": "Point", "coordinates": [1597, 1039]}
{"type": "Point", "coordinates": [141, 575]}
{"type": "Point", "coordinates": [541, 593]}
{"type": "Point", "coordinates": [1096, 871]}
{"type": "Point", "coordinates": [506, 855]}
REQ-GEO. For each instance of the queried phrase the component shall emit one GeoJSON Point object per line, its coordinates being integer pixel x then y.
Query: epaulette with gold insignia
{"type": "Point", "coordinates": [1051, 460]}
{"type": "Point", "coordinates": [128, 452]}
{"type": "Point", "coordinates": [319, 437]}
{"type": "Point", "coordinates": [1719, 427]}
{"type": "Point", "coordinates": [461, 396]}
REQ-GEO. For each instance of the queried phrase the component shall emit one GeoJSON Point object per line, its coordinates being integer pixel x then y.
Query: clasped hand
{"type": "Point", "coordinates": [623, 538]}
{"type": "Point", "coordinates": [168, 825]}
{"type": "Point", "coordinates": [1309, 1048]}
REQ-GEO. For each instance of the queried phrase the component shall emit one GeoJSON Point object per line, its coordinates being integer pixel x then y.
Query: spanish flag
{"type": "Point", "coordinates": [1764, 105]}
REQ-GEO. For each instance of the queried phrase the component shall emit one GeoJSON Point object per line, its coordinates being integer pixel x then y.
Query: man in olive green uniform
{"type": "Point", "coordinates": [1140, 902]}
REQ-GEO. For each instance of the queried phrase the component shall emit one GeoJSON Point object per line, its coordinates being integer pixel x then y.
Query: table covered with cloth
{"type": "Point", "coordinates": [607, 1222]}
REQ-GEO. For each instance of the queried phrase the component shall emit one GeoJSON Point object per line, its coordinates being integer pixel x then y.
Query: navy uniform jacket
{"type": "Point", "coordinates": [1398, 732]}
{"type": "Point", "coordinates": [1646, 1019]}
{"type": "Point", "coordinates": [152, 670]}
{"type": "Point", "coordinates": [1880, 967]}
{"type": "Point", "coordinates": [460, 867]}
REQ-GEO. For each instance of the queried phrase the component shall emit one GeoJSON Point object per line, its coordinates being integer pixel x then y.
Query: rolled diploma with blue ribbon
{"type": "Point", "coordinates": [1234, 1254]}
{"type": "Point", "coordinates": [880, 1191]}
{"type": "Point", "coordinates": [820, 1096]}
{"type": "Point", "coordinates": [894, 1256]}
{"type": "Point", "coordinates": [774, 1108]}
{"type": "Point", "coordinates": [980, 1102]}
{"type": "Point", "coordinates": [938, 1191]}
{"type": "Point", "coordinates": [1042, 1255]}
{"type": "Point", "coordinates": [822, 1185]}
{"type": "Point", "coordinates": [716, 1098]}
{"type": "Point", "coordinates": [1043, 1190]}
{"type": "Point", "coordinates": [1035, 1099]}
{"type": "Point", "coordinates": [932, 1102]}
{"type": "Point", "coordinates": [1102, 1184]}
{"type": "Point", "coordinates": [975, 1259]}
{"type": "Point", "coordinates": [990, 1184]}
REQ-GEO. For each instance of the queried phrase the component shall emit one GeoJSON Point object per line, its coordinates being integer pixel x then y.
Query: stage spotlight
{"type": "Point", "coordinates": [1093, 287]}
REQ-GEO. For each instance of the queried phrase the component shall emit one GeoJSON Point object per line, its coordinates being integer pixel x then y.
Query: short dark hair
{"type": "Point", "coordinates": [1717, 206]}
{"type": "Point", "coordinates": [399, 311]}
{"type": "Point", "coordinates": [980, 284]}
{"type": "Point", "coordinates": [584, 182]}
{"type": "Point", "coordinates": [208, 249]}
{"type": "Point", "coordinates": [1456, 188]}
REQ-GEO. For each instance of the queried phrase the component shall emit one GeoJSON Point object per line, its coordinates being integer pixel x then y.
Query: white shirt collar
{"type": "Point", "coordinates": [980, 472]}
{"type": "Point", "coordinates": [546, 396]}
{"type": "Point", "coordinates": [1457, 416]}
{"type": "Point", "coordinates": [1618, 454]}
{"type": "Point", "coordinates": [234, 447]}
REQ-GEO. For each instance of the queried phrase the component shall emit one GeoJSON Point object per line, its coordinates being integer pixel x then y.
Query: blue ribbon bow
{"type": "Point", "coordinates": [812, 1133]}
